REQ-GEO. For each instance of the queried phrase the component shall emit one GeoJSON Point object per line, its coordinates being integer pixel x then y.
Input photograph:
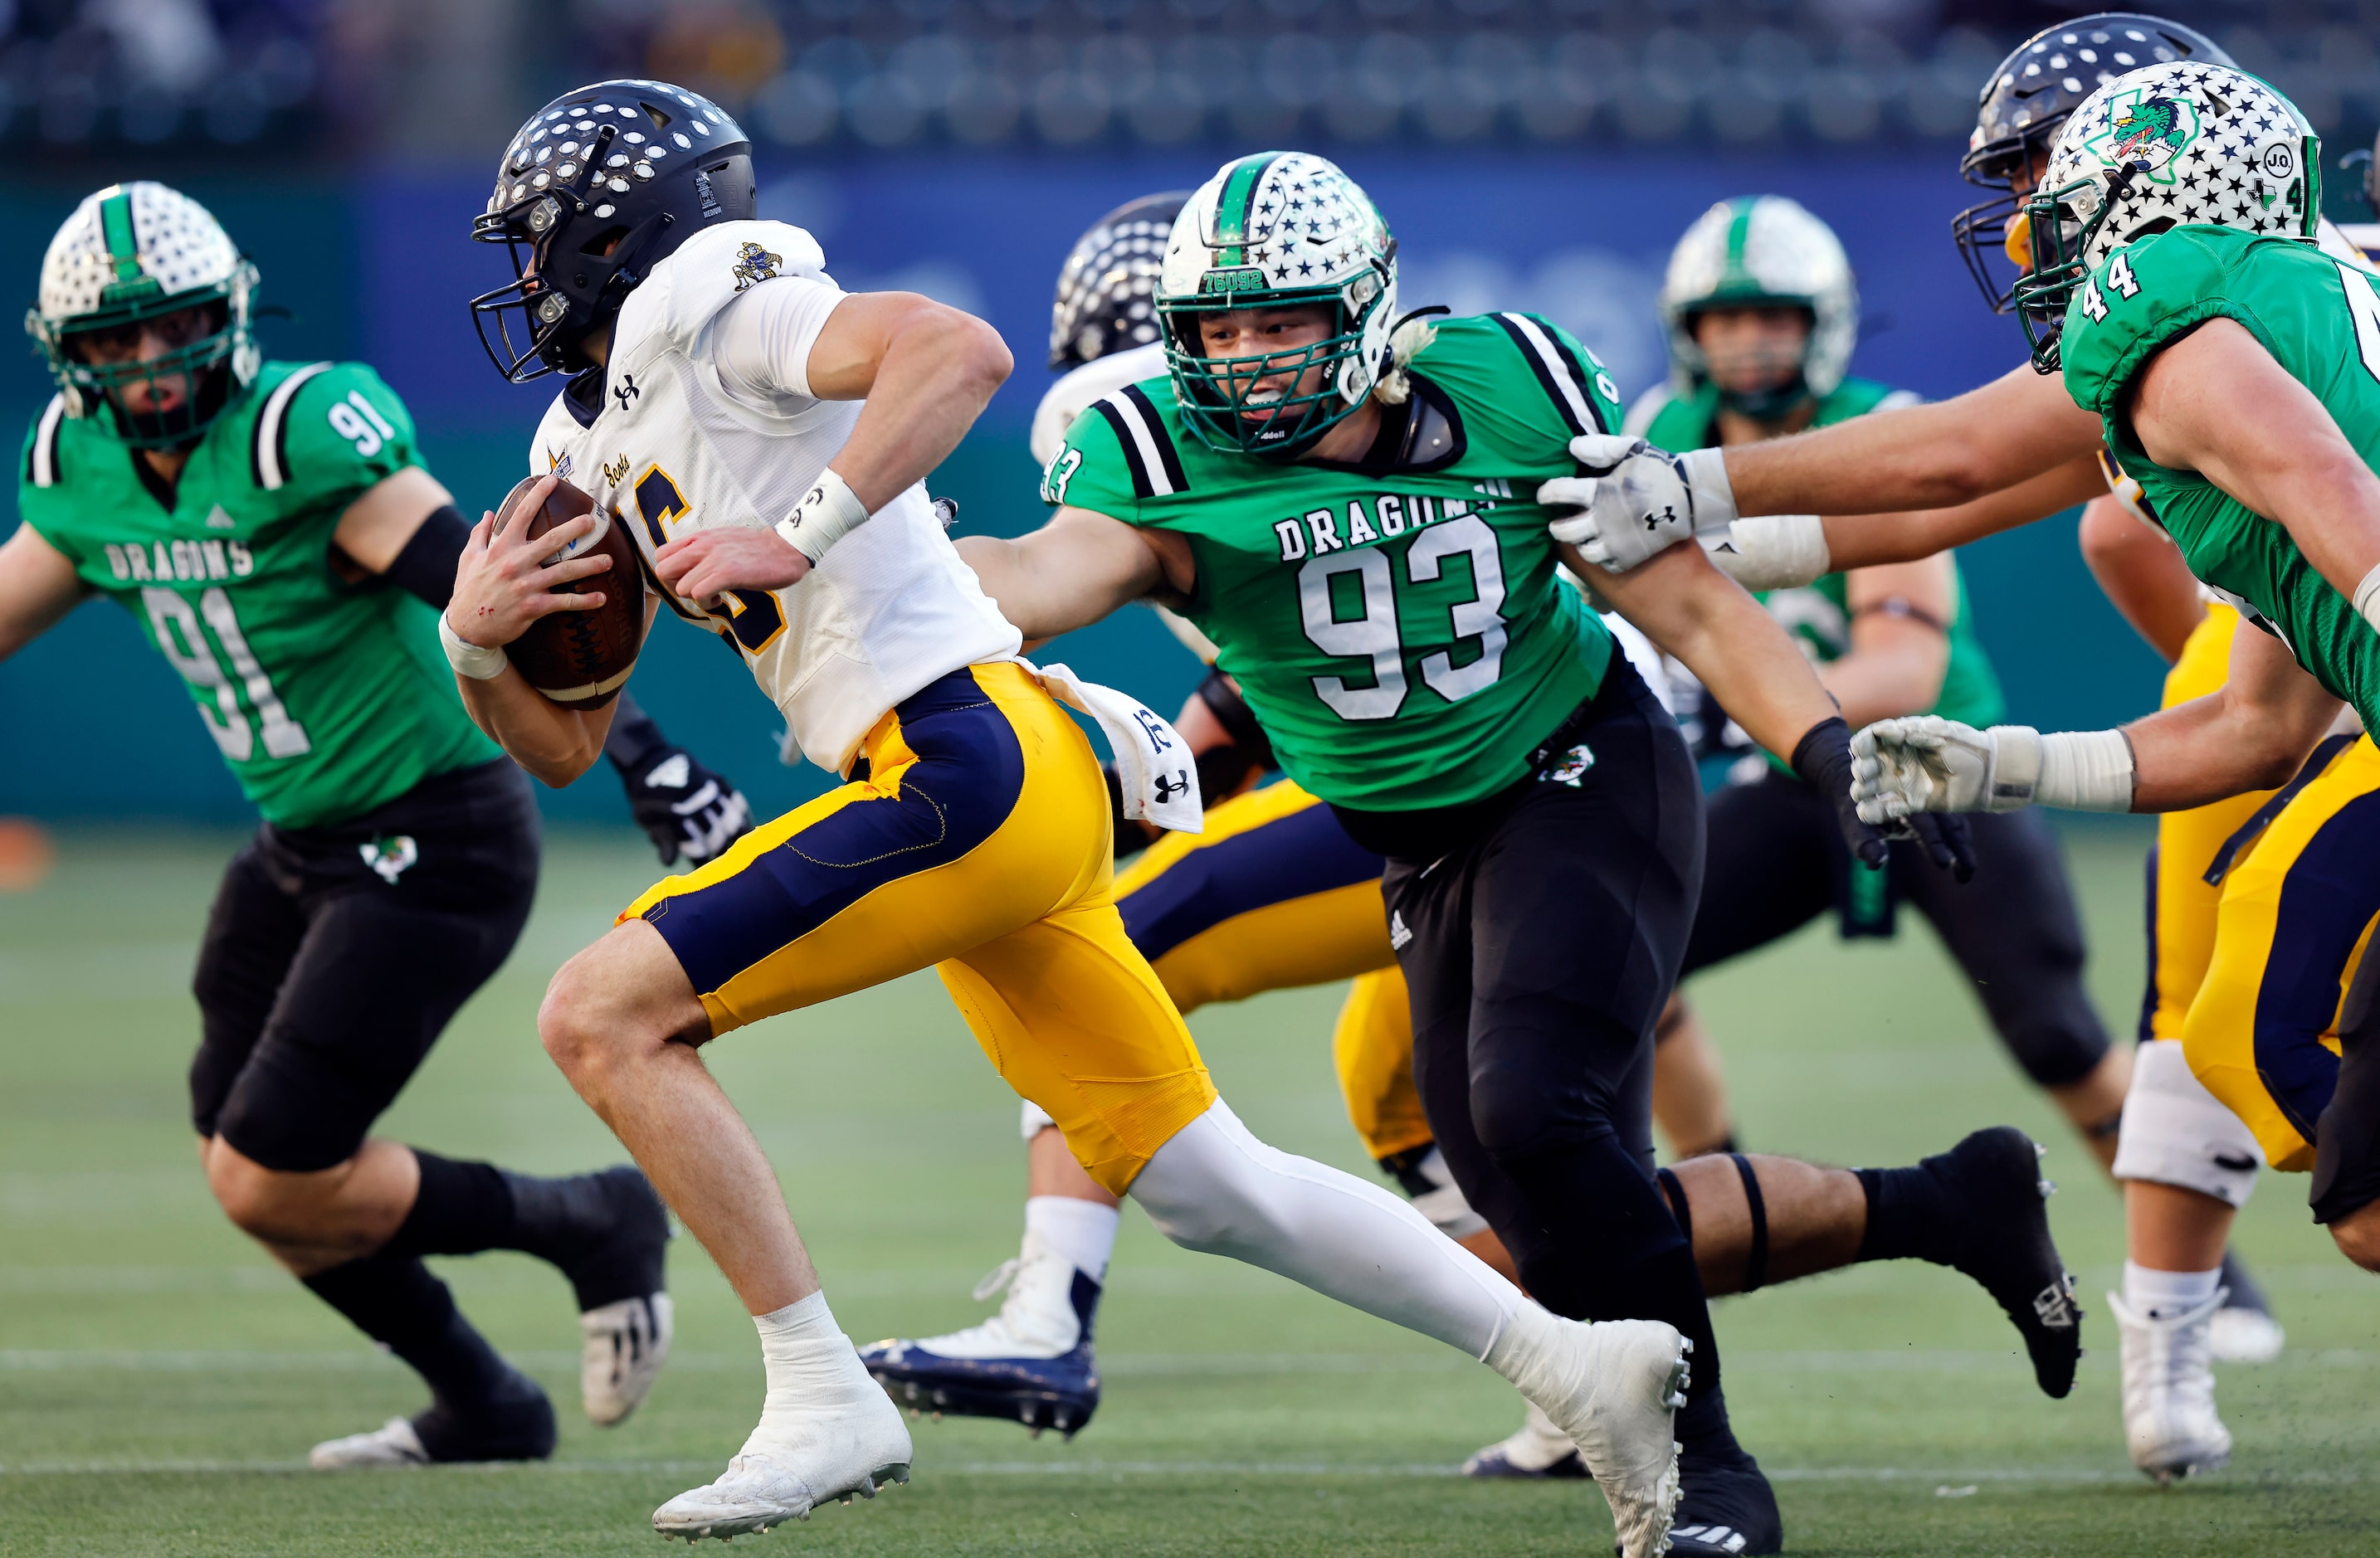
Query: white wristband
{"type": "Point", "coordinates": [828, 512]}
{"type": "Point", "coordinates": [1772, 552]}
{"type": "Point", "coordinates": [1714, 494]}
{"type": "Point", "coordinates": [2367, 596]}
{"type": "Point", "coordinates": [2085, 771]}
{"type": "Point", "coordinates": [470, 660]}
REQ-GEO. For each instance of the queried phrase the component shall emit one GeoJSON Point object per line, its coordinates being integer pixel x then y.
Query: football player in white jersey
{"type": "Point", "coordinates": [716, 372]}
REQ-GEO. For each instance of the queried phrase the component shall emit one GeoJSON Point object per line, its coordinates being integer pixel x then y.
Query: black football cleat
{"type": "Point", "coordinates": [1726, 1508]}
{"type": "Point", "coordinates": [513, 1423]}
{"type": "Point", "coordinates": [1032, 1363]}
{"type": "Point", "coordinates": [2000, 1236]}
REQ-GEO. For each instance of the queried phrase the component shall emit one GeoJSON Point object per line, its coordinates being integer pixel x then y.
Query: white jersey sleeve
{"type": "Point", "coordinates": [761, 340]}
{"type": "Point", "coordinates": [660, 438]}
{"type": "Point", "coordinates": [1095, 380]}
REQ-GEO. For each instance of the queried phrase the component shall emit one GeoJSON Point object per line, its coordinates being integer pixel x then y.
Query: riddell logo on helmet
{"type": "Point", "coordinates": [2146, 132]}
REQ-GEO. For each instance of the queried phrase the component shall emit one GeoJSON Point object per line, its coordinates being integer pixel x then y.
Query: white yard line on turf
{"type": "Point", "coordinates": [1185, 1365]}
{"type": "Point", "coordinates": [1119, 1470]}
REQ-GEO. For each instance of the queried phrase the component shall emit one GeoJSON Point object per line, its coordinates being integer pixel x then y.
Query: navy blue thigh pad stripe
{"type": "Point", "coordinates": [969, 772]}
{"type": "Point", "coordinates": [1296, 856]}
{"type": "Point", "coordinates": [2330, 894]}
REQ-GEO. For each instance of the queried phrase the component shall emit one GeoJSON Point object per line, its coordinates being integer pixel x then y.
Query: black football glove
{"type": "Point", "coordinates": [1823, 761]}
{"type": "Point", "coordinates": [685, 809]}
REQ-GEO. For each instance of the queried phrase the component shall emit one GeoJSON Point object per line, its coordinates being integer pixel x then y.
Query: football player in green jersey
{"type": "Point", "coordinates": [1761, 314]}
{"type": "Point", "coordinates": [1353, 512]}
{"type": "Point", "coordinates": [271, 527]}
{"type": "Point", "coordinates": [2234, 371]}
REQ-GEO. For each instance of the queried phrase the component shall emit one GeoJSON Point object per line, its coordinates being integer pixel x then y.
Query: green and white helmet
{"type": "Point", "coordinates": [1273, 231]}
{"type": "Point", "coordinates": [1762, 249]}
{"type": "Point", "coordinates": [133, 252]}
{"type": "Point", "coordinates": [2187, 142]}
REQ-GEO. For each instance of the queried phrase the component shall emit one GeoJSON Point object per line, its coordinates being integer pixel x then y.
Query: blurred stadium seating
{"type": "Point", "coordinates": [1529, 153]}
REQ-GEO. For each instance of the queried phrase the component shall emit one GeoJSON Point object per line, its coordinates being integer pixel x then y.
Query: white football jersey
{"type": "Point", "coordinates": [671, 452]}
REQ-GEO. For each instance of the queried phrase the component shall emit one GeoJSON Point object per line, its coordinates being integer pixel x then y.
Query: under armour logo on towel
{"type": "Point", "coordinates": [1170, 786]}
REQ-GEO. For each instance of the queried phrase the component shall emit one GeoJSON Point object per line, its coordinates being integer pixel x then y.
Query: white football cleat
{"type": "Point", "coordinates": [392, 1444]}
{"type": "Point", "coordinates": [792, 1464]}
{"type": "Point", "coordinates": [2245, 1335]}
{"type": "Point", "coordinates": [2169, 1422]}
{"type": "Point", "coordinates": [624, 1347]}
{"type": "Point", "coordinates": [1614, 1387]}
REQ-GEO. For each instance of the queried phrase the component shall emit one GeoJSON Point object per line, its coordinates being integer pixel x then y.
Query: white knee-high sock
{"type": "Point", "coordinates": [1217, 1188]}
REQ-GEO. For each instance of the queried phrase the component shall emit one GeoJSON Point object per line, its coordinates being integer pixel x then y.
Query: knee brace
{"type": "Point", "coordinates": [2175, 1133]}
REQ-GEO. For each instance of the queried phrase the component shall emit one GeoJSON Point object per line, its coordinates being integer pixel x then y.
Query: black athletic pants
{"type": "Point", "coordinates": [334, 956]}
{"type": "Point", "coordinates": [1777, 861]}
{"type": "Point", "coordinates": [1540, 932]}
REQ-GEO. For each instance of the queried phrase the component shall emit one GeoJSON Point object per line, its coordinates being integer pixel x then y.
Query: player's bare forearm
{"type": "Point", "coordinates": [553, 743]}
{"type": "Point", "coordinates": [926, 371]}
{"type": "Point", "coordinates": [1069, 574]}
{"type": "Point", "coordinates": [1917, 457]}
{"type": "Point", "coordinates": [1691, 610]}
{"type": "Point", "coordinates": [1873, 540]}
{"type": "Point", "coordinates": [1900, 648]}
{"type": "Point", "coordinates": [38, 587]}
{"type": "Point", "coordinates": [2216, 403]}
{"type": "Point", "coordinates": [2143, 573]}
{"type": "Point", "coordinates": [2252, 734]}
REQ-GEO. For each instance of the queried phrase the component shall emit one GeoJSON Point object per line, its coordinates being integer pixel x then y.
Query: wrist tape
{"type": "Point", "coordinates": [1713, 495]}
{"type": "Point", "coordinates": [470, 660]}
{"type": "Point", "coordinates": [2075, 771]}
{"type": "Point", "coordinates": [828, 512]}
{"type": "Point", "coordinates": [1773, 552]}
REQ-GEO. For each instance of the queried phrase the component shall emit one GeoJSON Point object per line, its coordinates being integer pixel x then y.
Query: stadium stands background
{"type": "Point", "coordinates": [1529, 153]}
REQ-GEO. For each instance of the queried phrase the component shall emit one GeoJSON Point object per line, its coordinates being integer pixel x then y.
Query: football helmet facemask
{"type": "Point", "coordinates": [1274, 230]}
{"type": "Point", "coordinates": [1762, 249]}
{"type": "Point", "coordinates": [2172, 144]}
{"type": "Point", "coordinates": [598, 187]}
{"type": "Point", "coordinates": [1108, 285]}
{"type": "Point", "coordinates": [133, 253]}
{"type": "Point", "coordinates": [2030, 96]}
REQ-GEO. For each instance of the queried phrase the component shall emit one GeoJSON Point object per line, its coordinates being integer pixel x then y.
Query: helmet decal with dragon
{"type": "Point", "coordinates": [2170, 145]}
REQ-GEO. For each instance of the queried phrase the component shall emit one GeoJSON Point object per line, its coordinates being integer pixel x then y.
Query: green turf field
{"type": "Point", "coordinates": [160, 1382]}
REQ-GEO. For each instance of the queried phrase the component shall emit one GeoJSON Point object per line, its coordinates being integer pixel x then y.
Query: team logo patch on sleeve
{"type": "Point", "coordinates": [754, 263]}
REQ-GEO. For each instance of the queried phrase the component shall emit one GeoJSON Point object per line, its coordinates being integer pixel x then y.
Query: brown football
{"type": "Point", "coordinates": [581, 658]}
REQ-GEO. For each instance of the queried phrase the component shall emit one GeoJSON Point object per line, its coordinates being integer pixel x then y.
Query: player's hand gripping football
{"type": "Point", "coordinates": [702, 566]}
{"type": "Point", "coordinates": [1633, 501]}
{"type": "Point", "coordinates": [1826, 759]}
{"type": "Point", "coordinates": [504, 580]}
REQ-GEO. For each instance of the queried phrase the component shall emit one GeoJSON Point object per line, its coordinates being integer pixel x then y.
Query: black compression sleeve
{"type": "Point", "coordinates": [634, 736]}
{"type": "Point", "coordinates": [426, 565]}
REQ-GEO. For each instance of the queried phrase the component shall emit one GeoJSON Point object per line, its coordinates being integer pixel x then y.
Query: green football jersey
{"type": "Point", "coordinates": [2320, 318]}
{"type": "Point", "coordinates": [1398, 625]}
{"type": "Point", "coordinates": [328, 697]}
{"type": "Point", "coordinates": [1818, 614]}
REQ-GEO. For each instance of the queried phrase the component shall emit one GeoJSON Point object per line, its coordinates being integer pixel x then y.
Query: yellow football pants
{"type": "Point", "coordinates": [2296, 913]}
{"type": "Point", "coordinates": [1273, 895]}
{"type": "Point", "coordinates": [976, 843]}
{"type": "Point", "coordinates": [2182, 918]}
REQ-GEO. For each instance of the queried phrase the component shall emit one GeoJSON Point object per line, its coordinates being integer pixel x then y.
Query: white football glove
{"type": "Point", "coordinates": [1633, 502]}
{"type": "Point", "coordinates": [1900, 768]}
